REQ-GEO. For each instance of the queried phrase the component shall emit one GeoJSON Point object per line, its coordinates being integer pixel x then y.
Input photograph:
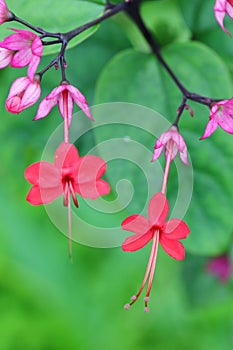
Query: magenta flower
{"type": "Point", "coordinates": [5, 57]}
{"type": "Point", "coordinates": [222, 7]}
{"type": "Point", "coordinates": [220, 114]}
{"type": "Point", "coordinates": [221, 267]}
{"type": "Point", "coordinates": [156, 229]}
{"type": "Point", "coordinates": [172, 142]}
{"type": "Point", "coordinates": [5, 14]}
{"type": "Point", "coordinates": [63, 95]}
{"type": "Point", "coordinates": [70, 174]}
{"type": "Point", "coordinates": [23, 94]}
{"type": "Point", "coordinates": [25, 48]}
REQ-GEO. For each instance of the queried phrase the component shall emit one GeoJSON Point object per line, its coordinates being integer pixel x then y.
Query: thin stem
{"type": "Point", "coordinates": [114, 9]}
{"type": "Point", "coordinates": [35, 29]}
{"type": "Point", "coordinates": [166, 171]}
{"type": "Point", "coordinates": [180, 111]}
{"type": "Point", "coordinates": [133, 11]}
{"type": "Point", "coordinates": [65, 114]}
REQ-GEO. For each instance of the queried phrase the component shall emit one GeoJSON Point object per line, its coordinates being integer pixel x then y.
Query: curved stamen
{"type": "Point", "coordinates": [152, 270]}
{"type": "Point", "coordinates": [69, 225]}
{"type": "Point", "coordinates": [73, 194]}
{"type": "Point", "coordinates": [66, 194]}
{"type": "Point", "coordinates": [152, 253]}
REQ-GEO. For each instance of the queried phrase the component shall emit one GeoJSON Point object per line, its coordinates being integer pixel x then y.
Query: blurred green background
{"type": "Point", "coordinates": [48, 303]}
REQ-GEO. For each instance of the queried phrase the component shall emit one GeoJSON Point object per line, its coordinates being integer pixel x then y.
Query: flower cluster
{"type": "Point", "coordinates": [25, 48]}
{"type": "Point", "coordinates": [70, 174]}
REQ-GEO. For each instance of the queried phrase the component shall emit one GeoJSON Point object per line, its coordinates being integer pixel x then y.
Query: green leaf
{"type": "Point", "coordinates": [138, 78]}
{"type": "Point", "coordinates": [54, 16]}
{"type": "Point", "coordinates": [163, 18]}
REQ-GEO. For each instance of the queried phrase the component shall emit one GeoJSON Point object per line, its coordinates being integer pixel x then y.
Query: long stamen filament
{"type": "Point", "coordinates": [152, 270]}
{"type": "Point", "coordinates": [69, 225]}
{"type": "Point", "coordinates": [148, 269]}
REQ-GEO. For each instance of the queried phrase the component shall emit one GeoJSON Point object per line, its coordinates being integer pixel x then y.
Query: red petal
{"type": "Point", "coordinates": [136, 223]}
{"type": "Point", "coordinates": [158, 209]}
{"type": "Point", "coordinates": [91, 168]}
{"type": "Point", "coordinates": [66, 156]}
{"type": "Point", "coordinates": [92, 189]}
{"type": "Point", "coordinates": [133, 243]}
{"type": "Point", "coordinates": [43, 174]}
{"type": "Point", "coordinates": [173, 248]}
{"type": "Point", "coordinates": [36, 196]}
{"type": "Point", "coordinates": [175, 229]}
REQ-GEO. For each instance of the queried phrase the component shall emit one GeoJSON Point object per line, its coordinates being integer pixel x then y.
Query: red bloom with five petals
{"type": "Point", "coordinates": [70, 174]}
{"type": "Point", "coordinates": [154, 228]}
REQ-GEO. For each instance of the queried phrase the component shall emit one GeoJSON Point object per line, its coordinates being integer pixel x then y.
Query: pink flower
{"type": "Point", "coordinates": [172, 142]}
{"type": "Point", "coordinates": [220, 114]}
{"type": "Point", "coordinates": [222, 7]}
{"type": "Point", "coordinates": [5, 57]}
{"type": "Point", "coordinates": [156, 229]}
{"type": "Point", "coordinates": [64, 94]}
{"type": "Point", "coordinates": [5, 14]}
{"type": "Point", "coordinates": [70, 174]}
{"type": "Point", "coordinates": [26, 49]}
{"type": "Point", "coordinates": [23, 94]}
{"type": "Point", "coordinates": [221, 267]}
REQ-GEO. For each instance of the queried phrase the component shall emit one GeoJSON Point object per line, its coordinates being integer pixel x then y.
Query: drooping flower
{"type": "Point", "coordinates": [221, 267]}
{"type": "Point", "coordinates": [23, 94]}
{"type": "Point", "coordinates": [221, 114]}
{"type": "Point", "coordinates": [5, 14]}
{"type": "Point", "coordinates": [222, 7]}
{"type": "Point", "coordinates": [172, 142]}
{"type": "Point", "coordinates": [156, 229]}
{"type": "Point", "coordinates": [68, 176]}
{"type": "Point", "coordinates": [64, 92]}
{"type": "Point", "coordinates": [25, 48]}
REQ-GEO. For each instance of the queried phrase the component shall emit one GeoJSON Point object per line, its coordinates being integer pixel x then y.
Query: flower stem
{"type": "Point", "coordinates": [65, 111]}
{"type": "Point", "coordinates": [166, 172]}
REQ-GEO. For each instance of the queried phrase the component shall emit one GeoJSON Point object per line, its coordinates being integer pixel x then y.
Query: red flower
{"type": "Point", "coordinates": [70, 174]}
{"type": "Point", "coordinates": [155, 228]}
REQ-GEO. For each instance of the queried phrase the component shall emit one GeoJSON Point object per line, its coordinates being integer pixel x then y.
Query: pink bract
{"type": "Point", "coordinates": [26, 49]}
{"type": "Point", "coordinates": [222, 7]}
{"type": "Point", "coordinates": [172, 142]}
{"type": "Point", "coordinates": [5, 14]}
{"type": "Point", "coordinates": [57, 97]}
{"type": "Point", "coordinates": [5, 57]}
{"type": "Point", "coordinates": [69, 174]}
{"type": "Point", "coordinates": [23, 94]}
{"type": "Point", "coordinates": [221, 114]}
